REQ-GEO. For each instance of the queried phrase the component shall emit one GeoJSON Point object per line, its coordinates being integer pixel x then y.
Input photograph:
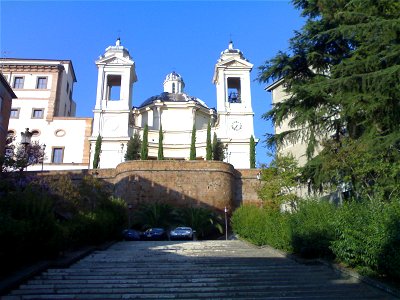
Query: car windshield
{"type": "Point", "coordinates": [183, 228]}
{"type": "Point", "coordinates": [156, 230]}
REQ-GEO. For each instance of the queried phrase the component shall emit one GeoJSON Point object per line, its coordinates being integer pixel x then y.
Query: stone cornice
{"type": "Point", "coordinates": [30, 68]}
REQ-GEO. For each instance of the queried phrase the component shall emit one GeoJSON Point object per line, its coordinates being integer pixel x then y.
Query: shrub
{"type": "Point", "coordinates": [262, 226]}
{"type": "Point", "coordinates": [368, 236]}
{"type": "Point", "coordinates": [312, 228]}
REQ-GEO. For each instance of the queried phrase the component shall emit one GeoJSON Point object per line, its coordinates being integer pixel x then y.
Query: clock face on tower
{"type": "Point", "coordinates": [236, 125]}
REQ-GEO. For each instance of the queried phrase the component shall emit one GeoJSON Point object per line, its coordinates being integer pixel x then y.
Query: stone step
{"type": "Point", "coordinates": [165, 270]}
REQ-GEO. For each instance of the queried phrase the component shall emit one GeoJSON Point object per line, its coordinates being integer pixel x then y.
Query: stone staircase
{"type": "Point", "coordinates": [193, 270]}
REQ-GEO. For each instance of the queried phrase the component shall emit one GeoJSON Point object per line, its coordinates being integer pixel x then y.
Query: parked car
{"type": "Point", "coordinates": [181, 233]}
{"type": "Point", "coordinates": [131, 235]}
{"type": "Point", "coordinates": [155, 234]}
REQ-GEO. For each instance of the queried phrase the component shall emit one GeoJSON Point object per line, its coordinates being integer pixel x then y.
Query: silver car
{"type": "Point", "coordinates": [181, 233]}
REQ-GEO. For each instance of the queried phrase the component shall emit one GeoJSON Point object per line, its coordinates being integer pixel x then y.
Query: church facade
{"type": "Point", "coordinates": [44, 104]}
{"type": "Point", "coordinates": [118, 116]}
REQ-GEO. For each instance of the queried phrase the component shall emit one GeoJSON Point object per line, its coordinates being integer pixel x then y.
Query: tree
{"type": "Point", "coordinates": [193, 144]}
{"type": "Point", "coordinates": [19, 156]}
{"type": "Point", "coordinates": [133, 148]}
{"type": "Point", "coordinates": [281, 179]}
{"type": "Point", "coordinates": [144, 153]}
{"type": "Point", "coordinates": [252, 153]}
{"type": "Point", "coordinates": [218, 149]}
{"type": "Point", "coordinates": [208, 143]}
{"type": "Point", "coordinates": [342, 75]}
{"type": "Point", "coordinates": [160, 144]}
{"type": "Point", "coordinates": [97, 150]}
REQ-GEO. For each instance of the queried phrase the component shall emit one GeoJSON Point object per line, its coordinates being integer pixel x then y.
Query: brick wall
{"type": "Point", "coordinates": [211, 184]}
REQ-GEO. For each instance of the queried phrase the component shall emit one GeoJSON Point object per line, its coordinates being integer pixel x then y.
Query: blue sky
{"type": "Point", "coordinates": [162, 36]}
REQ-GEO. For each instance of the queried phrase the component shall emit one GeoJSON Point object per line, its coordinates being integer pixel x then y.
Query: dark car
{"type": "Point", "coordinates": [154, 234]}
{"type": "Point", "coordinates": [181, 233]}
{"type": "Point", "coordinates": [131, 235]}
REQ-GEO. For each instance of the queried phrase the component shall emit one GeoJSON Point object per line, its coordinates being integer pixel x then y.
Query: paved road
{"type": "Point", "coordinates": [193, 270]}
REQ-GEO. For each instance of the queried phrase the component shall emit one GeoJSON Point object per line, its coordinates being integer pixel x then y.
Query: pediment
{"type": "Point", "coordinates": [115, 61]}
{"type": "Point", "coordinates": [235, 63]}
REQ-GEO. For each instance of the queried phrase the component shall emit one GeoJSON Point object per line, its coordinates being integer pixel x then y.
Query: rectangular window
{"type": "Point", "coordinates": [37, 113]}
{"type": "Point", "coordinates": [41, 83]}
{"type": "Point", "coordinates": [57, 155]}
{"type": "Point", "coordinates": [18, 83]}
{"type": "Point", "coordinates": [67, 87]}
{"type": "Point", "coordinates": [14, 114]}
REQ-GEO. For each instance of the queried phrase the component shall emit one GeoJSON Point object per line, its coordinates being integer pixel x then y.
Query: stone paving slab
{"type": "Point", "coordinates": [193, 270]}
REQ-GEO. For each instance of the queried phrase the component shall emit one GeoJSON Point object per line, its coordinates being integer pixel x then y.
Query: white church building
{"type": "Point", "coordinates": [117, 116]}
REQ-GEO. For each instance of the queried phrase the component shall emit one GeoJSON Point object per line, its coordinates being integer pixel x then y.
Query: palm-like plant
{"type": "Point", "coordinates": [155, 215]}
{"type": "Point", "coordinates": [203, 220]}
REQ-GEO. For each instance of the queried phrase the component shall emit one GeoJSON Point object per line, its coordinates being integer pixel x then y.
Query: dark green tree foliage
{"type": "Point", "coordinates": [160, 144]}
{"type": "Point", "coordinates": [193, 144]}
{"type": "Point", "coordinates": [144, 153]}
{"type": "Point", "coordinates": [252, 153]}
{"type": "Point", "coordinates": [208, 143]}
{"type": "Point", "coordinates": [97, 150]}
{"type": "Point", "coordinates": [133, 148]}
{"type": "Point", "coordinates": [343, 77]}
{"type": "Point", "coordinates": [218, 149]}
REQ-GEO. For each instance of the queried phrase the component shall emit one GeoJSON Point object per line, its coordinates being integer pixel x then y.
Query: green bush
{"type": "Point", "coordinates": [263, 226]}
{"type": "Point", "coordinates": [312, 228]}
{"type": "Point", "coordinates": [368, 236]}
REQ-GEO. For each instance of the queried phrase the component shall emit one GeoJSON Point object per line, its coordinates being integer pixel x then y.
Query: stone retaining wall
{"type": "Point", "coordinates": [211, 184]}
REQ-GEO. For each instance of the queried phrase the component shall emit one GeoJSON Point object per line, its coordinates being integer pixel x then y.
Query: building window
{"type": "Point", "coordinates": [57, 155]}
{"type": "Point", "coordinates": [18, 83]}
{"type": "Point", "coordinates": [37, 113]}
{"type": "Point", "coordinates": [35, 132]}
{"type": "Point", "coordinates": [173, 88]}
{"type": "Point", "coordinates": [41, 83]}
{"type": "Point", "coordinates": [234, 90]}
{"type": "Point", "coordinates": [14, 114]}
{"type": "Point", "coordinates": [67, 87]}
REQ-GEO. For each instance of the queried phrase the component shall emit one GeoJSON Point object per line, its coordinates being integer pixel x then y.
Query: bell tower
{"type": "Point", "coordinates": [116, 75]}
{"type": "Point", "coordinates": [234, 109]}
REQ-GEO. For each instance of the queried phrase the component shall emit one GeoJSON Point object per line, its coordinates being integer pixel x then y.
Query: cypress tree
{"type": "Point", "coordinates": [144, 153]}
{"type": "Point", "coordinates": [218, 149]}
{"type": "Point", "coordinates": [133, 148]}
{"type": "Point", "coordinates": [160, 144]}
{"type": "Point", "coordinates": [193, 144]}
{"type": "Point", "coordinates": [97, 150]}
{"type": "Point", "coordinates": [252, 153]}
{"type": "Point", "coordinates": [209, 145]}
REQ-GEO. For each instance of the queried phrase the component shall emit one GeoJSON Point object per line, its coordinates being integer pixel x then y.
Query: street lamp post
{"type": "Point", "coordinates": [226, 223]}
{"type": "Point", "coordinates": [26, 140]}
{"type": "Point", "coordinates": [129, 215]}
{"type": "Point", "coordinates": [44, 149]}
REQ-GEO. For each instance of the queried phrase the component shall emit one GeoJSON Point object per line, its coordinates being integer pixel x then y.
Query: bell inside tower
{"type": "Point", "coordinates": [234, 93]}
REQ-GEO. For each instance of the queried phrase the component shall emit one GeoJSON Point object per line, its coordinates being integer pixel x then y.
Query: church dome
{"type": "Point", "coordinates": [172, 97]}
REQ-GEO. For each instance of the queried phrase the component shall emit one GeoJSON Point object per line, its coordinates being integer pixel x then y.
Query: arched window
{"type": "Point", "coordinates": [173, 88]}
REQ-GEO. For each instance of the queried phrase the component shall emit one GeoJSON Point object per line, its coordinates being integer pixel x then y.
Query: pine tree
{"type": "Point", "coordinates": [193, 144]}
{"type": "Point", "coordinates": [208, 143]}
{"type": "Point", "coordinates": [342, 74]}
{"type": "Point", "coordinates": [218, 149]}
{"type": "Point", "coordinates": [160, 144]}
{"type": "Point", "coordinates": [252, 153]}
{"type": "Point", "coordinates": [144, 153]}
{"type": "Point", "coordinates": [97, 150]}
{"type": "Point", "coordinates": [133, 148]}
